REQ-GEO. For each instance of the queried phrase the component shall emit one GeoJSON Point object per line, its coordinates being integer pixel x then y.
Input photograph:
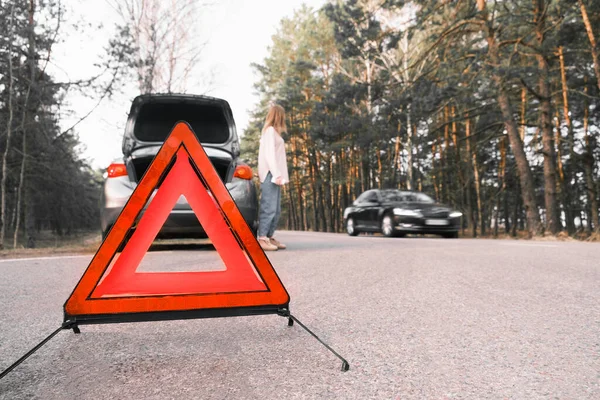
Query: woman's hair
{"type": "Point", "coordinates": [276, 119]}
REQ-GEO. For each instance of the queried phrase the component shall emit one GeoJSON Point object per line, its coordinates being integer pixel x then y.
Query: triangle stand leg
{"type": "Point", "coordinates": [66, 325]}
{"type": "Point", "coordinates": [292, 319]}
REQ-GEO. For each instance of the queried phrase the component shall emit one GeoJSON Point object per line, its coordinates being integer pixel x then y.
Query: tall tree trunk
{"type": "Point", "coordinates": [417, 162]}
{"type": "Point", "coordinates": [592, 39]}
{"type": "Point", "coordinates": [566, 183]}
{"type": "Point", "coordinates": [525, 176]}
{"type": "Point", "coordinates": [397, 160]}
{"type": "Point", "coordinates": [364, 170]}
{"type": "Point", "coordinates": [298, 185]}
{"type": "Point", "coordinates": [588, 163]}
{"type": "Point", "coordinates": [516, 210]}
{"type": "Point", "coordinates": [305, 221]}
{"type": "Point", "coordinates": [552, 213]}
{"type": "Point", "coordinates": [565, 97]}
{"type": "Point", "coordinates": [502, 183]}
{"type": "Point", "coordinates": [9, 123]}
{"type": "Point", "coordinates": [331, 204]}
{"type": "Point", "coordinates": [518, 196]}
{"type": "Point", "coordinates": [315, 182]}
{"type": "Point", "coordinates": [445, 157]}
{"type": "Point", "coordinates": [434, 178]}
{"type": "Point", "coordinates": [561, 181]}
{"type": "Point", "coordinates": [409, 128]}
{"type": "Point", "coordinates": [20, 191]}
{"type": "Point", "coordinates": [477, 181]}
{"type": "Point", "coordinates": [495, 217]}
{"type": "Point", "coordinates": [506, 209]}
{"type": "Point", "coordinates": [317, 198]}
{"type": "Point", "coordinates": [472, 215]}
{"type": "Point", "coordinates": [32, 70]}
{"type": "Point", "coordinates": [523, 114]}
{"type": "Point", "coordinates": [458, 161]}
{"type": "Point", "coordinates": [379, 166]}
{"type": "Point", "coordinates": [409, 150]}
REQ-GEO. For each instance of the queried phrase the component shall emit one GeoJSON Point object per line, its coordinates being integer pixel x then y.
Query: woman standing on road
{"type": "Point", "coordinates": [273, 173]}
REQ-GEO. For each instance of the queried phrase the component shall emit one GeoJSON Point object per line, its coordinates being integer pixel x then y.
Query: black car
{"type": "Point", "coordinates": [397, 212]}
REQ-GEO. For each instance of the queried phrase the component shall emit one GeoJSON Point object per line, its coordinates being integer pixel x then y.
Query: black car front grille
{"type": "Point", "coordinates": [436, 213]}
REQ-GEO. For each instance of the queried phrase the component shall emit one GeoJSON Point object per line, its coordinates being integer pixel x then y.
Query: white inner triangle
{"type": "Point", "coordinates": [181, 255]}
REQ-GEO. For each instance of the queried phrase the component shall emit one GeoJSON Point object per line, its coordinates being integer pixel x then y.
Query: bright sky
{"type": "Point", "coordinates": [238, 33]}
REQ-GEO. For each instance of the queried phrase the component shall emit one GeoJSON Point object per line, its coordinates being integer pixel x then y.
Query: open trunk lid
{"type": "Point", "coordinates": [152, 117]}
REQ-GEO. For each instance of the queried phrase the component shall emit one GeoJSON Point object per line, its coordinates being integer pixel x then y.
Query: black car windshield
{"type": "Point", "coordinates": [420, 198]}
{"type": "Point", "coordinates": [400, 196]}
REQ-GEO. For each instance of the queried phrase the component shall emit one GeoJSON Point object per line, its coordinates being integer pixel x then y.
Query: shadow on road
{"type": "Point", "coordinates": [157, 247]}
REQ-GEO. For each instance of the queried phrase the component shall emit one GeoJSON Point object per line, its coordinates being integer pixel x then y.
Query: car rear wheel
{"type": "Point", "coordinates": [351, 228]}
{"type": "Point", "coordinates": [387, 226]}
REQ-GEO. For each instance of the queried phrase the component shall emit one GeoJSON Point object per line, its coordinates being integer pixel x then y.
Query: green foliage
{"type": "Point", "coordinates": [355, 74]}
{"type": "Point", "coordinates": [56, 190]}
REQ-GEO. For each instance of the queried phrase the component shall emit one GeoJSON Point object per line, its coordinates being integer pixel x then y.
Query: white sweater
{"type": "Point", "coordinates": [271, 156]}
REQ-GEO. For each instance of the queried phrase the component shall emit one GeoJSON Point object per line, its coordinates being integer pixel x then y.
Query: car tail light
{"type": "Point", "coordinates": [115, 170]}
{"type": "Point", "coordinates": [243, 172]}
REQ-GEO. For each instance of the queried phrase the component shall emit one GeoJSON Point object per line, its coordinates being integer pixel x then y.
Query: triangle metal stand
{"type": "Point", "coordinates": [291, 319]}
{"type": "Point", "coordinates": [68, 325]}
{"type": "Point", "coordinates": [73, 325]}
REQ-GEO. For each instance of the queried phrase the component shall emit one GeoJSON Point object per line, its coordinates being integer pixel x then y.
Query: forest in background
{"type": "Point", "coordinates": [47, 189]}
{"type": "Point", "coordinates": [489, 106]}
{"type": "Point", "coordinates": [44, 183]}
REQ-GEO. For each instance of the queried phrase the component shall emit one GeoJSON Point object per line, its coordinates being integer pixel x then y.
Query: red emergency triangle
{"type": "Point", "coordinates": [248, 281]}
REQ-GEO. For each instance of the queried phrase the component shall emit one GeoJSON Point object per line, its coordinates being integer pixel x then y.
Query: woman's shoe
{"type": "Point", "coordinates": [267, 245]}
{"type": "Point", "coordinates": [277, 243]}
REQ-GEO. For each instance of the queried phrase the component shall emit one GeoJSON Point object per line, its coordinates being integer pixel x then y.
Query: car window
{"type": "Point", "coordinates": [366, 197]}
{"type": "Point", "coordinates": [155, 121]}
{"type": "Point", "coordinates": [400, 196]}
{"type": "Point", "coordinates": [361, 198]}
{"type": "Point", "coordinates": [423, 198]}
{"type": "Point", "coordinates": [393, 195]}
{"type": "Point", "coordinates": [371, 197]}
{"type": "Point", "coordinates": [418, 198]}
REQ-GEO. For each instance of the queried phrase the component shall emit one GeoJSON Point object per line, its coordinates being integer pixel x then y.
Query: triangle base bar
{"type": "Point", "coordinates": [73, 322]}
{"type": "Point", "coordinates": [174, 315]}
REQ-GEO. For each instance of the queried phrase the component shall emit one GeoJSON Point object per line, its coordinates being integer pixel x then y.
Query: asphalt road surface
{"type": "Point", "coordinates": [417, 318]}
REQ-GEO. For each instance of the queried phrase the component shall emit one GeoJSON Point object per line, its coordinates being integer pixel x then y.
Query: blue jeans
{"type": "Point", "coordinates": [270, 207]}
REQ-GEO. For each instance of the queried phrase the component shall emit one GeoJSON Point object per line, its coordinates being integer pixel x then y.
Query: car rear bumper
{"type": "Point", "coordinates": [182, 221]}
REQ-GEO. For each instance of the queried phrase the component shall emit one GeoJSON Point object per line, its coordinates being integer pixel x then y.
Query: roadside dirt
{"type": "Point", "coordinates": [48, 245]}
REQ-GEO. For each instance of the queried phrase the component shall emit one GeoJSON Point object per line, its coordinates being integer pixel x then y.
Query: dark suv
{"type": "Point", "coordinates": [151, 119]}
